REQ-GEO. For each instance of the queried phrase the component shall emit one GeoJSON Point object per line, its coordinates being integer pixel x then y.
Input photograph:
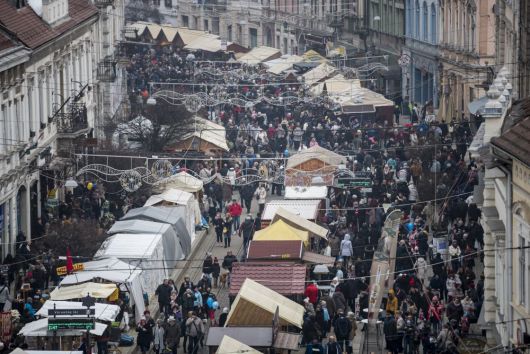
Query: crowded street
{"type": "Point", "coordinates": [243, 199]}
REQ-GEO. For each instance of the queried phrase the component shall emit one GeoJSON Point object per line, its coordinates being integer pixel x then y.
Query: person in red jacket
{"type": "Point", "coordinates": [312, 293]}
{"type": "Point", "coordinates": [235, 209]}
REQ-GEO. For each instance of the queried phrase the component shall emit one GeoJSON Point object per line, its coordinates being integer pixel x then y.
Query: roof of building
{"type": "Point", "coordinates": [514, 139]}
{"type": "Point", "coordinates": [286, 278]}
{"type": "Point", "coordinates": [275, 250]}
{"type": "Point", "coordinates": [300, 223]}
{"type": "Point", "coordinates": [33, 31]}
{"type": "Point", "coordinates": [279, 231]}
{"type": "Point", "coordinates": [12, 52]}
{"type": "Point", "coordinates": [306, 208]}
{"type": "Point", "coordinates": [316, 152]}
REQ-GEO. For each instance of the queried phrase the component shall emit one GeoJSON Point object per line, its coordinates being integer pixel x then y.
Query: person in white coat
{"type": "Point", "coordinates": [261, 195]}
{"type": "Point", "coordinates": [413, 193]}
{"type": "Point", "coordinates": [421, 270]}
{"type": "Point", "coordinates": [158, 335]}
{"type": "Point", "coordinates": [346, 249]}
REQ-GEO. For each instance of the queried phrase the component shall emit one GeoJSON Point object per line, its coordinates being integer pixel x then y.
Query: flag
{"type": "Point", "coordinates": [69, 262]}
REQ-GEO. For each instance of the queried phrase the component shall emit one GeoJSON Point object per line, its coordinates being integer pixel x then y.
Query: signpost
{"type": "Point", "coordinates": [55, 324]}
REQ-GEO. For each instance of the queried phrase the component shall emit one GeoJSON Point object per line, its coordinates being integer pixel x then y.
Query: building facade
{"type": "Point", "coordinates": [467, 53]}
{"type": "Point", "coordinates": [420, 74]}
{"type": "Point", "coordinates": [49, 101]}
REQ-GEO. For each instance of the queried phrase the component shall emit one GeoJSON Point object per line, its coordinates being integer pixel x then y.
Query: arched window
{"type": "Point", "coordinates": [425, 22]}
{"type": "Point", "coordinates": [434, 33]}
{"type": "Point", "coordinates": [417, 20]}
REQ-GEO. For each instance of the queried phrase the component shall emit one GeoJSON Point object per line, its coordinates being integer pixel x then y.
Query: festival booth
{"type": "Point", "coordinates": [255, 305]}
{"type": "Point", "coordinates": [179, 217]}
{"type": "Point", "coordinates": [318, 74]}
{"type": "Point", "coordinates": [129, 279]}
{"type": "Point", "coordinates": [279, 231]}
{"type": "Point", "coordinates": [293, 278]}
{"type": "Point", "coordinates": [146, 250]}
{"type": "Point", "coordinates": [313, 166]}
{"type": "Point", "coordinates": [182, 181]}
{"type": "Point", "coordinates": [257, 317]}
{"type": "Point", "coordinates": [259, 55]}
{"type": "Point", "coordinates": [38, 333]}
{"type": "Point", "coordinates": [282, 64]}
{"type": "Point", "coordinates": [172, 248]}
{"type": "Point", "coordinates": [308, 209]}
{"type": "Point", "coordinates": [208, 138]}
{"type": "Point", "coordinates": [295, 220]}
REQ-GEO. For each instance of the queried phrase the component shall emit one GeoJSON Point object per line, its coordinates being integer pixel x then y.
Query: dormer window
{"type": "Point", "coordinates": [20, 4]}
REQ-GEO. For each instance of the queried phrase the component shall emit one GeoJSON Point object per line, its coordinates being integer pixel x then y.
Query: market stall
{"type": "Point", "coordinates": [208, 138]}
{"type": "Point", "coordinates": [230, 345]}
{"type": "Point", "coordinates": [180, 218]}
{"type": "Point", "coordinates": [300, 223]}
{"type": "Point", "coordinates": [281, 231]}
{"type": "Point", "coordinates": [172, 248]}
{"type": "Point", "coordinates": [281, 251]}
{"type": "Point", "coordinates": [113, 270]}
{"type": "Point", "coordinates": [256, 304]}
{"type": "Point", "coordinates": [145, 250]}
{"type": "Point", "coordinates": [310, 192]}
{"type": "Point", "coordinates": [259, 55]}
{"type": "Point", "coordinates": [313, 166]}
{"type": "Point", "coordinates": [182, 181]}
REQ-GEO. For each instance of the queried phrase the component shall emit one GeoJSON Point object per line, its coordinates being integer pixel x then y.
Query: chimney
{"type": "Point", "coordinates": [54, 11]}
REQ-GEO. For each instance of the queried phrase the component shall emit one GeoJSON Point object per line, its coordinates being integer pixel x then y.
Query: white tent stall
{"type": "Point", "coordinates": [172, 248]}
{"type": "Point", "coordinates": [177, 216]}
{"type": "Point", "coordinates": [143, 250]}
{"type": "Point", "coordinates": [39, 328]}
{"type": "Point", "coordinates": [104, 312]}
{"type": "Point", "coordinates": [182, 181]}
{"type": "Point", "coordinates": [115, 271]}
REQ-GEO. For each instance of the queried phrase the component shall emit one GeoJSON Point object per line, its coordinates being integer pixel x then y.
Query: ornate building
{"type": "Point", "coordinates": [467, 53]}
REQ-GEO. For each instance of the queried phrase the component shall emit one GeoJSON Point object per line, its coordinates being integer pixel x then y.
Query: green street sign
{"type": "Point", "coordinates": [55, 324]}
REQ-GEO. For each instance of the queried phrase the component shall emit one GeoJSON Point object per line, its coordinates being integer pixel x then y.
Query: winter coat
{"type": "Point", "coordinates": [158, 333]}
{"type": "Point", "coordinates": [194, 327]}
{"type": "Point", "coordinates": [172, 334]}
{"type": "Point", "coordinates": [421, 269]}
{"type": "Point", "coordinates": [346, 248]}
{"type": "Point", "coordinates": [340, 301]}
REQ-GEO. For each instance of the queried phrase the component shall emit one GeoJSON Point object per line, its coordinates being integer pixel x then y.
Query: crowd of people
{"type": "Point", "coordinates": [420, 168]}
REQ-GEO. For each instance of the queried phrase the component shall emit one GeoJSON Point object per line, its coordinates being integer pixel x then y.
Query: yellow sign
{"type": "Point", "coordinates": [77, 267]}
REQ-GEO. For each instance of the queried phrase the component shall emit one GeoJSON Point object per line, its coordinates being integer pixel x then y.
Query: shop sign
{"type": "Point", "coordinates": [63, 271]}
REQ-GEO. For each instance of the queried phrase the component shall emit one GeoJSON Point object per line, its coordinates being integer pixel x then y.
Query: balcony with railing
{"type": "Point", "coordinates": [74, 121]}
{"type": "Point", "coordinates": [106, 70]}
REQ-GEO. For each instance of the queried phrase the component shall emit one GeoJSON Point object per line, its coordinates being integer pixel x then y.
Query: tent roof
{"type": "Point", "coordinates": [171, 195]}
{"type": "Point", "coordinates": [306, 208]}
{"type": "Point", "coordinates": [182, 180]}
{"type": "Point", "coordinates": [316, 152]}
{"type": "Point", "coordinates": [129, 246]}
{"type": "Point", "coordinates": [229, 345]}
{"type": "Point", "coordinates": [188, 35]}
{"type": "Point", "coordinates": [169, 32]}
{"type": "Point", "coordinates": [206, 42]}
{"type": "Point", "coordinates": [252, 294]}
{"type": "Point", "coordinates": [311, 192]}
{"type": "Point", "coordinates": [104, 312]}
{"type": "Point", "coordinates": [259, 54]}
{"type": "Point", "coordinates": [313, 56]}
{"type": "Point", "coordinates": [159, 214]}
{"type": "Point", "coordinates": [111, 269]}
{"type": "Point", "coordinates": [292, 276]}
{"type": "Point", "coordinates": [321, 72]}
{"type": "Point", "coordinates": [209, 131]}
{"type": "Point", "coordinates": [337, 85]}
{"type": "Point", "coordinates": [281, 231]}
{"type": "Point", "coordinates": [97, 290]}
{"type": "Point", "coordinates": [136, 226]}
{"type": "Point", "coordinates": [299, 222]}
{"type": "Point", "coordinates": [277, 66]}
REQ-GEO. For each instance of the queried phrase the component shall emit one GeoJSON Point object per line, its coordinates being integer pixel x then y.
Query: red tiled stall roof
{"type": "Point", "coordinates": [275, 250]}
{"type": "Point", "coordinates": [33, 31]}
{"type": "Point", "coordinates": [285, 279]}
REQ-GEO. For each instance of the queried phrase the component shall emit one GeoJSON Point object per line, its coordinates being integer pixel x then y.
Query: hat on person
{"type": "Point", "coordinates": [171, 319]}
{"type": "Point", "coordinates": [306, 299]}
{"type": "Point", "coordinates": [225, 310]}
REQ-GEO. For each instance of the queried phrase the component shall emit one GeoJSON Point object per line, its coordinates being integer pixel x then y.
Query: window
{"type": "Point", "coordinates": [524, 259]}
{"type": "Point", "coordinates": [156, 2]}
{"type": "Point", "coordinates": [425, 21]}
{"type": "Point", "coordinates": [408, 17]}
{"type": "Point", "coordinates": [168, 3]}
{"type": "Point", "coordinates": [185, 21]}
{"type": "Point", "coordinates": [205, 23]}
{"type": "Point", "coordinates": [417, 20]}
{"type": "Point", "coordinates": [433, 24]}
{"type": "Point", "coordinates": [229, 32]}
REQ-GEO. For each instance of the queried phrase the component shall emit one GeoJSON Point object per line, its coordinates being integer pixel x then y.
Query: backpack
{"type": "Point", "coordinates": [342, 327]}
